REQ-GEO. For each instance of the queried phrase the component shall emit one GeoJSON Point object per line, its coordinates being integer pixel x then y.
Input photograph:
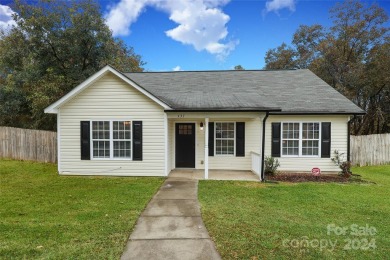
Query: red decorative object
{"type": "Point", "coordinates": [316, 171]}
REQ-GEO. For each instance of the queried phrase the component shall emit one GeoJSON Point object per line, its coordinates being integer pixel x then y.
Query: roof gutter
{"type": "Point", "coordinates": [221, 110]}
{"type": "Point", "coordinates": [263, 147]}
{"type": "Point", "coordinates": [317, 113]}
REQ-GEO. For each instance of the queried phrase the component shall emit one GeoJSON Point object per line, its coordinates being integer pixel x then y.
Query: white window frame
{"type": "Point", "coordinates": [215, 139]}
{"type": "Point", "coordinates": [104, 140]}
{"type": "Point", "coordinates": [288, 139]}
{"type": "Point", "coordinates": [112, 140]}
{"type": "Point", "coordinates": [300, 139]}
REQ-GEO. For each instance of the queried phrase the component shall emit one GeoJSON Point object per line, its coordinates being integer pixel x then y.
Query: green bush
{"type": "Point", "coordinates": [343, 164]}
{"type": "Point", "coordinates": [270, 165]}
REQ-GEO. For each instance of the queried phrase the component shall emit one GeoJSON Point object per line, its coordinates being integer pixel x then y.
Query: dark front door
{"type": "Point", "coordinates": [185, 145]}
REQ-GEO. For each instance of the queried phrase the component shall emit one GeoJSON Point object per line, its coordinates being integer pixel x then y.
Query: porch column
{"type": "Point", "coordinates": [261, 146]}
{"type": "Point", "coordinates": [166, 144]}
{"type": "Point", "coordinates": [206, 149]}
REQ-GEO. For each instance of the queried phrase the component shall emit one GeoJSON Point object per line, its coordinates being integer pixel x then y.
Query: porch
{"type": "Point", "coordinates": [214, 175]}
{"type": "Point", "coordinates": [214, 145]}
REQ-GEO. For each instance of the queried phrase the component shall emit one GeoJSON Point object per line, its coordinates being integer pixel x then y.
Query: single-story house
{"type": "Point", "coordinates": [149, 123]}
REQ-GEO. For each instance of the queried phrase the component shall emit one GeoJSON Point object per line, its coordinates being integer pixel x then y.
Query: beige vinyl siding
{"type": "Point", "coordinates": [110, 98]}
{"type": "Point", "coordinates": [338, 142]}
{"type": "Point", "coordinates": [219, 162]}
{"type": "Point", "coordinates": [252, 143]}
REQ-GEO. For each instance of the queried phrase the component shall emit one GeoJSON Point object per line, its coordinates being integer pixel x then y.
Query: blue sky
{"type": "Point", "coordinates": [209, 34]}
{"type": "Point", "coordinates": [255, 33]}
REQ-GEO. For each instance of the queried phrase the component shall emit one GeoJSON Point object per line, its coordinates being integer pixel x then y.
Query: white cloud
{"type": "Point", "coordinates": [6, 20]}
{"type": "Point", "coordinates": [276, 5]}
{"type": "Point", "coordinates": [123, 14]}
{"type": "Point", "coordinates": [201, 23]}
{"type": "Point", "coordinates": [177, 68]}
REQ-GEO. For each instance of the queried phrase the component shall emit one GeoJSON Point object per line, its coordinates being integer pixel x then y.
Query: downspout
{"type": "Point", "coordinates": [349, 138]}
{"type": "Point", "coordinates": [263, 147]}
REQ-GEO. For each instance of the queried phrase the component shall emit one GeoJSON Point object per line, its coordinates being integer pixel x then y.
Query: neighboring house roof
{"type": "Point", "coordinates": [291, 91]}
{"type": "Point", "coordinates": [276, 91]}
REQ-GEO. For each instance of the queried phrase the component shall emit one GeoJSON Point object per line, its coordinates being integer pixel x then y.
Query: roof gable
{"type": "Point", "coordinates": [53, 108]}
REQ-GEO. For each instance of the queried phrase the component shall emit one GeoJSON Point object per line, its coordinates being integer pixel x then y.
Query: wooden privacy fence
{"type": "Point", "coordinates": [37, 145]}
{"type": "Point", "coordinates": [370, 149]}
{"type": "Point", "coordinates": [27, 144]}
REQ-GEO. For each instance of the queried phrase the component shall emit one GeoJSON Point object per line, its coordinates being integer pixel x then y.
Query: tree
{"type": "Point", "coordinates": [54, 46]}
{"type": "Point", "coordinates": [238, 67]}
{"type": "Point", "coordinates": [282, 57]}
{"type": "Point", "coordinates": [351, 56]}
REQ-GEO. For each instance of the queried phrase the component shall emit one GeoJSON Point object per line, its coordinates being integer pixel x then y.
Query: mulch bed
{"type": "Point", "coordinates": [307, 177]}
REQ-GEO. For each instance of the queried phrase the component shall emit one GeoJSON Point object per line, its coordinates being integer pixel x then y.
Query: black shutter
{"type": "Point", "coordinates": [85, 148]}
{"type": "Point", "coordinates": [211, 139]}
{"type": "Point", "coordinates": [240, 139]}
{"type": "Point", "coordinates": [137, 140]}
{"type": "Point", "coordinates": [275, 146]}
{"type": "Point", "coordinates": [325, 139]}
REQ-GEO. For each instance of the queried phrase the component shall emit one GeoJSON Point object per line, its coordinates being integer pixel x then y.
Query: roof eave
{"type": "Point", "coordinates": [223, 110]}
{"type": "Point", "coordinates": [318, 113]}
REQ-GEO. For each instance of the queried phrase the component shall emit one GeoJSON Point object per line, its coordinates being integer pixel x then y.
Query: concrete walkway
{"type": "Point", "coordinates": [171, 226]}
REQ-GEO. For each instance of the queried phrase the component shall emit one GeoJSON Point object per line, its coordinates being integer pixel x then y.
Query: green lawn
{"type": "Point", "coordinates": [46, 216]}
{"type": "Point", "coordinates": [249, 220]}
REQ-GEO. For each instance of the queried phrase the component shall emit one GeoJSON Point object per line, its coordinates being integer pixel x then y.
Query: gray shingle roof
{"type": "Point", "coordinates": [291, 91]}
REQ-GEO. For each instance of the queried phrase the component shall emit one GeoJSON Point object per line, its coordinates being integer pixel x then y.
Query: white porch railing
{"type": "Point", "coordinates": [256, 163]}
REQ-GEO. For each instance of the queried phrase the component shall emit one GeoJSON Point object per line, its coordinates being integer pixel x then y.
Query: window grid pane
{"type": "Point", "coordinates": [185, 129]}
{"type": "Point", "coordinates": [122, 149]}
{"type": "Point", "coordinates": [310, 139]}
{"type": "Point", "coordinates": [101, 139]}
{"type": "Point", "coordinates": [101, 149]}
{"type": "Point", "coordinates": [122, 132]}
{"type": "Point", "coordinates": [224, 138]}
{"type": "Point", "coordinates": [290, 139]}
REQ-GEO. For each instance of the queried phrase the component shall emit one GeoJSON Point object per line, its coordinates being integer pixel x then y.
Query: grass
{"type": "Point", "coordinates": [46, 216]}
{"type": "Point", "coordinates": [249, 220]}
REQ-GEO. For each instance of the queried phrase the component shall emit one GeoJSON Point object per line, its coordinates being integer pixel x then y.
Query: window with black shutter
{"type": "Point", "coordinates": [211, 138]}
{"type": "Point", "coordinates": [137, 140]}
{"type": "Point", "coordinates": [240, 139]}
{"type": "Point", "coordinates": [275, 146]}
{"type": "Point", "coordinates": [85, 148]}
{"type": "Point", "coordinates": [117, 139]}
{"type": "Point", "coordinates": [301, 139]}
{"type": "Point", "coordinates": [325, 139]}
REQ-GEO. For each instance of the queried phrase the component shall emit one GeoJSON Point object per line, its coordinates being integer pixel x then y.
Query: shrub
{"type": "Point", "coordinates": [343, 164]}
{"type": "Point", "coordinates": [270, 165]}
